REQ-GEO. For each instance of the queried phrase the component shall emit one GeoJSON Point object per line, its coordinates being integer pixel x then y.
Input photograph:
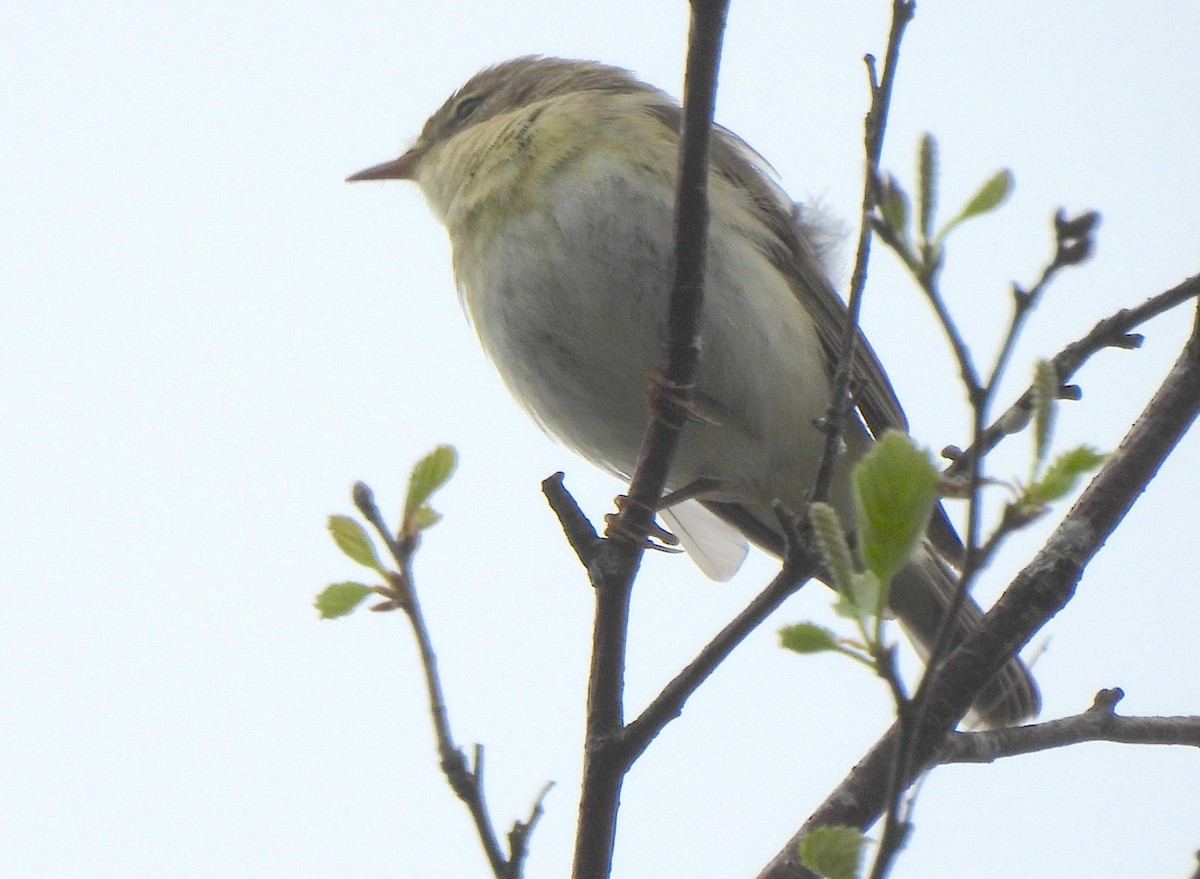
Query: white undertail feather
{"type": "Point", "coordinates": [716, 547]}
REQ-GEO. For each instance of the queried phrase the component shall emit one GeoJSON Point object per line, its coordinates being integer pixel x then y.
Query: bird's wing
{"type": "Point", "coordinates": [794, 253]}
{"type": "Point", "coordinates": [791, 248]}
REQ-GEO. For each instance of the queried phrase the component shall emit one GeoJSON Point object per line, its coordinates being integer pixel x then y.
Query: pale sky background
{"type": "Point", "coordinates": [209, 337]}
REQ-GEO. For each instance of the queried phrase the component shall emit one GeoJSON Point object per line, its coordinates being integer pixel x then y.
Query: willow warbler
{"type": "Point", "coordinates": [555, 180]}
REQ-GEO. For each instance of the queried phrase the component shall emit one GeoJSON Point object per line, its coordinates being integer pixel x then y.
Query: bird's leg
{"type": "Point", "coordinates": [615, 527]}
{"type": "Point", "coordinates": [658, 538]}
{"type": "Point", "coordinates": [668, 401]}
{"type": "Point", "coordinates": [694, 489]}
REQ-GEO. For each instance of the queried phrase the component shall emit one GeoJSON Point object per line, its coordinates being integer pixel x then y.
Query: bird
{"type": "Point", "coordinates": [555, 181]}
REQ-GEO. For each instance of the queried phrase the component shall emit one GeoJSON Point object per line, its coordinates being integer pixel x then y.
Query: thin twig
{"type": "Point", "coordinates": [518, 837]}
{"type": "Point", "coordinates": [1025, 301]}
{"type": "Point", "coordinates": [687, 294]}
{"type": "Point", "coordinates": [875, 124]}
{"type": "Point", "coordinates": [465, 778]}
{"type": "Point", "coordinates": [1073, 244]}
{"type": "Point", "coordinates": [668, 704]}
{"type": "Point", "coordinates": [1100, 723]}
{"type": "Point", "coordinates": [579, 531]}
{"type": "Point", "coordinates": [800, 564]}
{"type": "Point", "coordinates": [1111, 332]}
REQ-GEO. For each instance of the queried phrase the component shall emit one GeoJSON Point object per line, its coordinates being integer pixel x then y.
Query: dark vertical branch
{"type": "Point", "coordinates": [691, 239]}
{"type": "Point", "coordinates": [606, 759]}
{"type": "Point", "coordinates": [465, 777]}
{"type": "Point", "coordinates": [875, 124]}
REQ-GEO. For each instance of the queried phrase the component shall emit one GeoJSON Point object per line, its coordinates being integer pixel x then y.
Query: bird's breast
{"type": "Point", "coordinates": [569, 301]}
{"type": "Point", "coordinates": [569, 298]}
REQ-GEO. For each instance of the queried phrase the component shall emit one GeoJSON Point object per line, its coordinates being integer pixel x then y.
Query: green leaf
{"type": "Point", "coordinates": [859, 595]}
{"type": "Point", "coordinates": [1045, 404]}
{"type": "Point", "coordinates": [429, 474]}
{"type": "Point", "coordinates": [895, 487]}
{"type": "Point", "coordinates": [339, 599]}
{"type": "Point", "coordinates": [863, 604]}
{"type": "Point", "coordinates": [1061, 476]}
{"type": "Point", "coordinates": [354, 542]}
{"type": "Point", "coordinates": [808, 638]}
{"type": "Point", "coordinates": [831, 540]}
{"type": "Point", "coordinates": [425, 517]}
{"type": "Point", "coordinates": [894, 208]}
{"type": "Point", "coordinates": [833, 852]}
{"type": "Point", "coordinates": [927, 172]}
{"type": "Point", "coordinates": [869, 595]}
{"type": "Point", "coordinates": [989, 197]}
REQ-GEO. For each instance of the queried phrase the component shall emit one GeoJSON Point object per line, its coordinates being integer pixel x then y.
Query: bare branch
{"type": "Point", "coordinates": [613, 567]}
{"type": "Point", "coordinates": [518, 837]}
{"type": "Point", "coordinates": [464, 777]}
{"type": "Point", "coordinates": [1072, 245]}
{"type": "Point", "coordinates": [579, 531]}
{"type": "Point", "coordinates": [875, 125]}
{"type": "Point", "coordinates": [1100, 723]}
{"type": "Point", "coordinates": [668, 401]}
{"type": "Point", "coordinates": [669, 703]}
{"type": "Point", "coordinates": [1112, 332]}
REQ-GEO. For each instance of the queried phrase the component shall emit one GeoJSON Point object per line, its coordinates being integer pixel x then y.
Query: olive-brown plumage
{"type": "Point", "coordinates": [555, 180]}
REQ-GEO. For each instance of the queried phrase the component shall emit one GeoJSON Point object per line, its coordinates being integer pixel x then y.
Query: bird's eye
{"type": "Point", "coordinates": [466, 107]}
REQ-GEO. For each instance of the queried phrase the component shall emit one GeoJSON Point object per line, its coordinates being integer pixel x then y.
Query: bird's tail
{"type": "Point", "coordinates": [920, 595]}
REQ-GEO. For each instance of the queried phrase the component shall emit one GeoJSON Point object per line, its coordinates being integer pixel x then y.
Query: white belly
{"type": "Point", "coordinates": [572, 311]}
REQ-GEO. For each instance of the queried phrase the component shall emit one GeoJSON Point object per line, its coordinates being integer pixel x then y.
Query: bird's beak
{"type": "Point", "coordinates": [402, 168]}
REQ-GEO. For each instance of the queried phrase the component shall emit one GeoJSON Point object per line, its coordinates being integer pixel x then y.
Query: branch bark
{"type": "Point", "coordinates": [614, 565]}
{"type": "Point", "coordinates": [465, 776]}
{"type": "Point", "coordinates": [841, 401]}
{"type": "Point", "coordinates": [1115, 331]}
{"type": "Point", "coordinates": [1100, 723]}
